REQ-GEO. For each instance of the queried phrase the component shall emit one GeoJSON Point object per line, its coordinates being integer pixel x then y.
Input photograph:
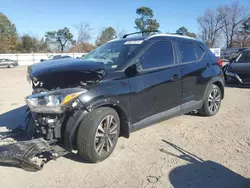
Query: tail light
{"type": "Point", "coordinates": [219, 62]}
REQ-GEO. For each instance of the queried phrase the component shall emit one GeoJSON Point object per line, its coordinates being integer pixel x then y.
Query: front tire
{"type": "Point", "coordinates": [98, 134]}
{"type": "Point", "coordinates": [212, 101]}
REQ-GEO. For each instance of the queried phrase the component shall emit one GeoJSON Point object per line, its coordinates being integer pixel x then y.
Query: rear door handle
{"type": "Point", "coordinates": [175, 77]}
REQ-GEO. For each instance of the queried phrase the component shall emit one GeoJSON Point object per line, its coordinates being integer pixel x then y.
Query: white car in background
{"type": "Point", "coordinates": [56, 57]}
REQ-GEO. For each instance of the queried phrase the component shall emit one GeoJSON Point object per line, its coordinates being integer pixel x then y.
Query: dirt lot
{"type": "Point", "coordinates": [187, 151]}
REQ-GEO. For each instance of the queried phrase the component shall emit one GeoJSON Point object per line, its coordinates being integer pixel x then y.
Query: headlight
{"type": "Point", "coordinates": [52, 102]}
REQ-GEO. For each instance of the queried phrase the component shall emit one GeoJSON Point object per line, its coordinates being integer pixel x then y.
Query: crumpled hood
{"type": "Point", "coordinates": [63, 65]}
{"type": "Point", "coordinates": [65, 73]}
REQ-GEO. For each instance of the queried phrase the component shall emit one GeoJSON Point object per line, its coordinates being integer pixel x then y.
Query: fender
{"type": "Point", "coordinates": [108, 101]}
{"type": "Point", "coordinates": [71, 127]}
{"type": "Point", "coordinates": [77, 116]}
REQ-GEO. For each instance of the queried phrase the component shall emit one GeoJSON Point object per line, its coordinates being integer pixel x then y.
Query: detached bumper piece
{"type": "Point", "coordinates": [29, 155]}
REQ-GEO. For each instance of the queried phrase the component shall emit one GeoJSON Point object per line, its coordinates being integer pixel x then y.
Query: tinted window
{"type": "Point", "coordinates": [157, 55]}
{"type": "Point", "coordinates": [199, 51]}
{"type": "Point", "coordinates": [244, 57]}
{"type": "Point", "coordinates": [187, 52]}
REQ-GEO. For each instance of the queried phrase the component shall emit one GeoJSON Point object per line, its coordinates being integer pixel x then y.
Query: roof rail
{"type": "Point", "coordinates": [140, 32]}
{"type": "Point", "coordinates": [177, 34]}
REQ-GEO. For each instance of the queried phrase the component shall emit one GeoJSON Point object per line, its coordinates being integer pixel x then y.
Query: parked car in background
{"type": "Point", "coordinates": [8, 63]}
{"type": "Point", "coordinates": [82, 56]}
{"type": "Point", "coordinates": [230, 53]}
{"type": "Point", "coordinates": [238, 70]}
{"type": "Point", "coordinates": [56, 57]}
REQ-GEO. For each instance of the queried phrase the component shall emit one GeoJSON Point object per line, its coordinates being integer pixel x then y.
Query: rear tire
{"type": "Point", "coordinates": [98, 134]}
{"type": "Point", "coordinates": [212, 101]}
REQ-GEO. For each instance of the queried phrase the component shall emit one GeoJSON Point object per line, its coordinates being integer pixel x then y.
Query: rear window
{"type": "Point", "coordinates": [187, 51]}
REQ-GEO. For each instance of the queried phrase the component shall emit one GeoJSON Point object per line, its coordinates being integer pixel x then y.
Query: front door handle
{"type": "Point", "coordinates": [175, 77]}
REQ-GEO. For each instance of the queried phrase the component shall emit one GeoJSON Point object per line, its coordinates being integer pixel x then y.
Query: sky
{"type": "Point", "coordinates": [35, 17]}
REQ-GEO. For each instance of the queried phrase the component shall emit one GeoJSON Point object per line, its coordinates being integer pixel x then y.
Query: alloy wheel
{"type": "Point", "coordinates": [106, 135]}
{"type": "Point", "coordinates": [214, 100]}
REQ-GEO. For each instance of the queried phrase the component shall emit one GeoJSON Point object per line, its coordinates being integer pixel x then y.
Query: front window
{"type": "Point", "coordinates": [112, 54]}
{"type": "Point", "coordinates": [244, 57]}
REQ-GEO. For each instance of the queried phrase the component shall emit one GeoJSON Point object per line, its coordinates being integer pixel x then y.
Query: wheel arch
{"type": "Point", "coordinates": [220, 85]}
{"type": "Point", "coordinates": [217, 81]}
{"type": "Point", "coordinates": [121, 110]}
{"type": "Point", "coordinates": [73, 122]}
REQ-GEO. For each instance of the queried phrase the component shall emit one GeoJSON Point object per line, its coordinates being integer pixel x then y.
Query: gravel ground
{"type": "Point", "coordinates": [187, 151]}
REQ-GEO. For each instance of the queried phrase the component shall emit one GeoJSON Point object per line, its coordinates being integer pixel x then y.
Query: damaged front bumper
{"type": "Point", "coordinates": [44, 132]}
{"type": "Point", "coordinates": [30, 155]}
{"type": "Point", "coordinates": [25, 154]}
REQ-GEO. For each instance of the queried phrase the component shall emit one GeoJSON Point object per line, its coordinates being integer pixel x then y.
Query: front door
{"type": "Point", "coordinates": [157, 89]}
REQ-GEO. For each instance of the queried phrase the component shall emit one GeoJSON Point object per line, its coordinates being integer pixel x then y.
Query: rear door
{"type": "Point", "coordinates": [194, 62]}
{"type": "Point", "coordinates": [157, 88]}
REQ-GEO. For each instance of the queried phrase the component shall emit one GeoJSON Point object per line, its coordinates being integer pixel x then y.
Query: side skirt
{"type": "Point", "coordinates": [162, 116]}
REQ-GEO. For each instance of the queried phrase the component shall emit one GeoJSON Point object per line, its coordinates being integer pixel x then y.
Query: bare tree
{"type": "Point", "coordinates": [232, 19]}
{"type": "Point", "coordinates": [84, 32]}
{"type": "Point", "coordinates": [210, 26]}
{"type": "Point", "coordinates": [242, 38]}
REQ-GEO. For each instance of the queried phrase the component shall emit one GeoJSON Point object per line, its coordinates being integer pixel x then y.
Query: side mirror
{"type": "Point", "coordinates": [138, 66]}
{"type": "Point", "coordinates": [232, 59]}
{"type": "Point", "coordinates": [134, 69]}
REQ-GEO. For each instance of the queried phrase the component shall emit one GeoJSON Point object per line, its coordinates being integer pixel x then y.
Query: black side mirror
{"type": "Point", "coordinates": [232, 59]}
{"type": "Point", "coordinates": [134, 69]}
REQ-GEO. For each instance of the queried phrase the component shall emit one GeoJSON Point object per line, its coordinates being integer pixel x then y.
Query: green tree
{"type": "Point", "coordinates": [106, 35]}
{"type": "Point", "coordinates": [28, 44]}
{"type": "Point", "coordinates": [145, 21]}
{"type": "Point", "coordinates": [183, 30]}
{"type": "Point", "coordinates": [44, 47]}
{"type": "Point", "coordinates": [60, 37]}
{"type": "Point", "coordinates": [8, 34]}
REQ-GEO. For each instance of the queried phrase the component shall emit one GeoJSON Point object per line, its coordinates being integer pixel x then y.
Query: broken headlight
{"type": "Point", "coordinates": [51, 102]}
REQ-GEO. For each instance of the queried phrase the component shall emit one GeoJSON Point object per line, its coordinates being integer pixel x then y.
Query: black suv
{"type": "Point", "coordinates": [122, 86]}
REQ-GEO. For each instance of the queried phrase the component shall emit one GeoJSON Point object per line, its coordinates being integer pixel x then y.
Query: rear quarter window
{"type": "Point", "coordinates": [199, 51]}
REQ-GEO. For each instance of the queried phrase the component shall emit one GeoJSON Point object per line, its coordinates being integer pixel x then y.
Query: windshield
{"type": "Point", "coordinates": [244, 57]}
{"type": "Point", "coordinates": [113, 54]}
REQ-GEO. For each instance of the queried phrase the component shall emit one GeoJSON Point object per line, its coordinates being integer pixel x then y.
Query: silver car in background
{"type": "Point", "coordinates": [8, 63]}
